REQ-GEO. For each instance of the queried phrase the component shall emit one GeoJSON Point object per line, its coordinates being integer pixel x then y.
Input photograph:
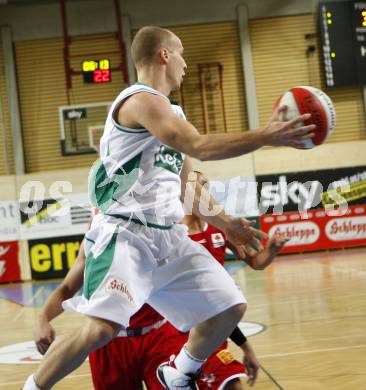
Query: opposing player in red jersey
{"type": "Point", "coordinates": [221, 370]}
{"type": "Point", "coordinates": [135, 354]}
{"type": "Point", "coordinates": [130, 358]}
{"type": "Point", "coordinates": [127, 361]}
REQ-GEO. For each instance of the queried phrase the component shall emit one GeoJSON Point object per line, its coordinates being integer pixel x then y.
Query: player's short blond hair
{"type": "Point", "coordinates": [147, 42]}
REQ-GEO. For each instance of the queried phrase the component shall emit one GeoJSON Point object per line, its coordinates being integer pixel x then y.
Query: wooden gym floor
{"type": "Point", "coordinates": [313, 308]}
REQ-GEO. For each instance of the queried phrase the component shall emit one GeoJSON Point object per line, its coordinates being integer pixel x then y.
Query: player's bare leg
{"type": "Point", "coordinates": [203, 341]}
{"type": "Point", "coordinates": [207, 336]}
{"type": "Point", "coordinates": [69, 352]}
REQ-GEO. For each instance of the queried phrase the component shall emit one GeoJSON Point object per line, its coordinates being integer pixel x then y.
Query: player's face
{"type": "Point", "coordinates": [176, 65]}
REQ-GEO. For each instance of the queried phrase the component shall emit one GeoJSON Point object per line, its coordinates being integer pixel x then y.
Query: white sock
{"type": "Point", "coordinates": [187, 363]}
{"type": "Point", "coordinates": [30, 384]}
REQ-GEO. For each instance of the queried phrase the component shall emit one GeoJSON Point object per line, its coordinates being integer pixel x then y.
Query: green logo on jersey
{"type": "Point", "coordinates": [104, 190]}
{"type": "Point", "coordinates": [169, 158]}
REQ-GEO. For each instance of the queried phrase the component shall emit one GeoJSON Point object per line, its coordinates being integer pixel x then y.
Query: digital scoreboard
{"type": "Point", "coordinates": [343, 39]}
{"type": "Point", "coordinates": [96, 71]}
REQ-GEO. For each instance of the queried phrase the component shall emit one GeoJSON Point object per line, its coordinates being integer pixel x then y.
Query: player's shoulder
{"type": "Point", "coordinates": [146, 100]}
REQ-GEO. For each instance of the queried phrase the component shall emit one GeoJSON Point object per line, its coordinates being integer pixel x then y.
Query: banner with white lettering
{"type": "Point", "coordinates": [308, 190]}
{"type": "Point", "coordinates": [321, 230]}
{"type": "Point", "coordinates": [9, 262]}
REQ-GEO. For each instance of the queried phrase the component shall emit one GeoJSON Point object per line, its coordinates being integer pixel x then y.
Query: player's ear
{"type": "Point", "coordinates": [164, 55]}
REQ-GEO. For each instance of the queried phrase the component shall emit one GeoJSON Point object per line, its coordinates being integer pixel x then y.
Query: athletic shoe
{"type": "Point", "coordinates": [172, 379]}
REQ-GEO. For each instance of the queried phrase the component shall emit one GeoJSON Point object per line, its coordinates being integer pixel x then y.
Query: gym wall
{"type": "Point", "coordinates": [209, 43]}
{"type": "Point", "coordinates": [279, 57]}
{"type": "Point", "coordinates": [42, 90]}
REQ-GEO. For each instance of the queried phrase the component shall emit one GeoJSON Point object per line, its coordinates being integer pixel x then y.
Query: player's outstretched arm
{"type": "Point", "coordinates": [44, 333]}
{"type": "Point", "coordinates": [154, 113]}
{"type": "Point", "coordinates": [250, 358]}
{"type": "Point", "coordinates": [197, 200]}
{"type": "Point", "coordinates": [265, 257]}
{"type": "Point", "coordinates": [251, 362]}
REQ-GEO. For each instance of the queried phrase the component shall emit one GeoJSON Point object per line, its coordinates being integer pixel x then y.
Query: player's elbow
{"type": "Point", "coordinates": [198, 149]}
{"type": "Point", "coordinates": [202, 155]}
{"type": "Point", "coordinates": [192, 146]}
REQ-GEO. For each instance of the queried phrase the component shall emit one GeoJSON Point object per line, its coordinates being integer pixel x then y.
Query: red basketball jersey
{"type": "Point", "coordinates": [214, 240]}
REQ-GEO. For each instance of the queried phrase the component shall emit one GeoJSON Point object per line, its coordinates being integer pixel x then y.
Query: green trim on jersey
{"type": "Point", "coordinates": [90, 240]}
{"type": "Point", "coordinates": [104, 190]}
{"type": "Point", "coordinates": [148, 224]}
{"type": "Point", "coordinates": [128, 129]}
{"type": "Point", "coordinates": [169, 159]}
{"type": "Point", "coordinates": [97, 267]}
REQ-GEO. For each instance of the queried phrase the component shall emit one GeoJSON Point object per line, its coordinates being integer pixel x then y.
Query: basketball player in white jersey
{"type": "Point", "coordinates": [136, 250]}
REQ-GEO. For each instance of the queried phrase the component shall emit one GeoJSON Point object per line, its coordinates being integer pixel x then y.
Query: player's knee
{"type": "Point", "coordinates": [100, 332]}
{"type": "Point", "coordinates": [237, 312]}
{"type": "Point", "coordinates": [234, 385]}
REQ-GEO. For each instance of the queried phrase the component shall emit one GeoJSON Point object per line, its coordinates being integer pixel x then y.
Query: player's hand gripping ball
{"type": "Point", "coordinates": [302, 100]}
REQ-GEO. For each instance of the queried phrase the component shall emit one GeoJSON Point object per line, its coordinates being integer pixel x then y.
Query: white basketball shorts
{"type": "Point", "coordinates": [129, 264]}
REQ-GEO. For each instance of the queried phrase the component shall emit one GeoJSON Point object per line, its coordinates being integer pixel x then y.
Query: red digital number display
{"type": "Point", "coordinates": [101, 76]}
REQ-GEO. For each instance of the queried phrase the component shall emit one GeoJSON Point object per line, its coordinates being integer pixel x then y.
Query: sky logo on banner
{"type": "Point", "coordinates": [301, 191]}
{"type": "Point", "coordinates": [276, 196]}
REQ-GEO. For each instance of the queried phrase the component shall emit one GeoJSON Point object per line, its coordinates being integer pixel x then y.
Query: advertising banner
{"type": "Point", "coordinates": [310, 190]}
{"type": "Point", "coordinates": [9, 221]}
{"type": "Point", "coordinates": [320, 231]}
{"type": "Point", "coordinates": [9, 262]}
{"type": "Point", "coordinates": [52, 217]}
{"type": "Point", "coordinates": [53, 257]}
{"type": "Point", "coordinates": [44, 218]}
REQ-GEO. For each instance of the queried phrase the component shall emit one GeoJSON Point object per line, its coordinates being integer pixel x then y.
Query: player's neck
{"type": "Point", "coordinates": [154, 78]}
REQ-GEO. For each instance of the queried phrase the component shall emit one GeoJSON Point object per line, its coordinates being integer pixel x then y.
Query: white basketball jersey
{"type": "Point", "coordinates": [137, 176]}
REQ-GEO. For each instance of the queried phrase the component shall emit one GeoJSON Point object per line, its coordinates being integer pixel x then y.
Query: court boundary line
{"type": "Point", "coordinates": [271, 377]}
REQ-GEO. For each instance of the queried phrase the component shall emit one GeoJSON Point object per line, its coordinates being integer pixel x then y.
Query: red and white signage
{"type": "Point", "coordinates": [9, 264]}
{"type": "Point", "coordinates": [320, 230]}
{"type": "Point", "coordinates": [346, 229]}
